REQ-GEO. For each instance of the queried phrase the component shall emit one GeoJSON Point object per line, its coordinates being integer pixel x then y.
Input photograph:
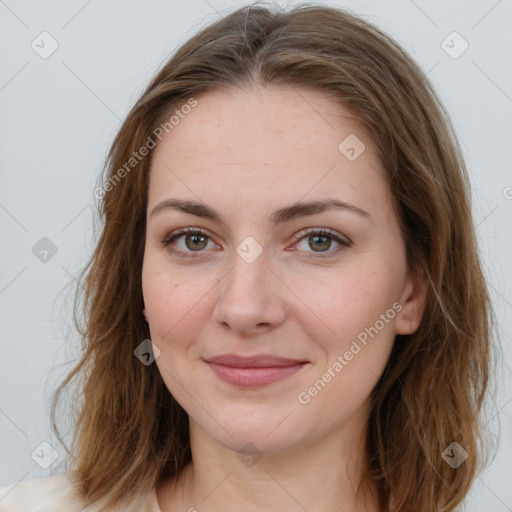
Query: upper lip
{"type": "Point", "coordinates": [258, 361]}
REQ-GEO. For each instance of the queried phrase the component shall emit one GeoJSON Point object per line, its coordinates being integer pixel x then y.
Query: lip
{"type": "Point", "coordinates": [250, 371]}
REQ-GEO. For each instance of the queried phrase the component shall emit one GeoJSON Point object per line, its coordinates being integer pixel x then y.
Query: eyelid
{"type": "Point", "coordinates": [326, 231]}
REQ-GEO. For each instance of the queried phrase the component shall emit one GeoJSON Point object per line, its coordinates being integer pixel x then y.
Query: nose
{"type": "Point", "coordinates": [251, 297]}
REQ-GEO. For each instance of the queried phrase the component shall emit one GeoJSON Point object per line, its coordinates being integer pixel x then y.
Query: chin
{"type": "Point", "coordinates": [265, 432]}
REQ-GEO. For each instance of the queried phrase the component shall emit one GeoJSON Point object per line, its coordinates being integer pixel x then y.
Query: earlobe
{"type": "Point", "coordinates": [413, 303]}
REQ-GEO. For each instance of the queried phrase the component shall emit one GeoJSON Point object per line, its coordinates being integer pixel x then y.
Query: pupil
{"type": "Point", "coordinates": [321, 237]}
{"type": "Point", "coordinates": [195, 238]}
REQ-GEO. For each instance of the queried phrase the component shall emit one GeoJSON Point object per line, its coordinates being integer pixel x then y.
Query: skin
{"type": "Point", "coordinates": [247, 153]}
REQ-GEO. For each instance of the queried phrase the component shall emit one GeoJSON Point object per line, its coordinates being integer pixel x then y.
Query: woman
{"type": "Point", "coordinates": [286, 307]}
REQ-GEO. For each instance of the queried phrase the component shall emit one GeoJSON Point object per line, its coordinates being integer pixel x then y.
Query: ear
{"type": "Point", "coordinates": [413, 301]}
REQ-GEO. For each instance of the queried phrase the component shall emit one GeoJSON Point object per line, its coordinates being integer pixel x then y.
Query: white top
{"type": "Point", "coordinates": [54, 493]}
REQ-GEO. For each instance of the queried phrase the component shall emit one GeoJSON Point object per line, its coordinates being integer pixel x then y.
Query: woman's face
{"type": "Point", "coordinates": [255, 277]}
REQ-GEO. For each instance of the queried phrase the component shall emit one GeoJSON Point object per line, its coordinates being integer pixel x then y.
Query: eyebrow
{"type": "Point", "coordinates": [293, 211]}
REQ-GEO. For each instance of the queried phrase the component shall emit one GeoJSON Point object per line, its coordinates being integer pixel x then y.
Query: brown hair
{"type": "Point", "coordinates": [130, 432]}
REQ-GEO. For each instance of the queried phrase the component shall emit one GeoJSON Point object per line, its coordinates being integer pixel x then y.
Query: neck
{"type": "Point", "coordinates": [325, 475]}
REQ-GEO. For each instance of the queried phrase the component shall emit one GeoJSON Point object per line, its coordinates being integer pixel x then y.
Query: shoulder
{"type": "Point", "coordinates": [60, 493]}
{"type": "Point", "coordinates": [54, 492]}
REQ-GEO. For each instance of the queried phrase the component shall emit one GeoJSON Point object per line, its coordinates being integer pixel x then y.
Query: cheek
{"type": "Point", "coordinates": [175, 308]}
{"type": "Point", "coordinates": [340, 307]}
{"type": "Point", "coordinates": [175, 305]}
{"type": "Point", "coordinates": [355, 336]}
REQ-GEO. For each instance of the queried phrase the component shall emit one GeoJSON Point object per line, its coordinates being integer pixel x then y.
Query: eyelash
{"type": "Point", "coordinates": [324, 232]}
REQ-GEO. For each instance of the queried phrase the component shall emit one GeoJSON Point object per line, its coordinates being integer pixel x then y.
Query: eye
{"type": "Point", "coordinates": [322, 240]}
{"type": "Point", "coordinates": [196, 239]}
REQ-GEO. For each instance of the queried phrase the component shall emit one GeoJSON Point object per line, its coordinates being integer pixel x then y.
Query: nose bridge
{"type": "Point", "coordinates": [247, 295]}
{"type": "Point", "coordinates": [249, 266]}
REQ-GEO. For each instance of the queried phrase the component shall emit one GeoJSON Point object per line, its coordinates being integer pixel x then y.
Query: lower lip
{"type": "Point", "coordinates": [250, 377]}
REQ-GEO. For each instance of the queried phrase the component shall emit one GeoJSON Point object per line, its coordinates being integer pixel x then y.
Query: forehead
{"type": "Point", "coordinates": [263, 145]}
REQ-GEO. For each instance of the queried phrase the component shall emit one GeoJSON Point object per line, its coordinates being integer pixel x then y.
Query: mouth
{"type": "Point", "coordinates": [253, 371]}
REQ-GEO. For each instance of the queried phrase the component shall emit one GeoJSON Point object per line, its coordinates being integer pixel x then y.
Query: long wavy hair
{"type": "Point", "coordinates": [129, 432]}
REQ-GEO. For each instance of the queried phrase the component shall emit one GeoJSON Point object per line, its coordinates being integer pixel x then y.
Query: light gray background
{"type": "Point", "coordinates": [58, 119]}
